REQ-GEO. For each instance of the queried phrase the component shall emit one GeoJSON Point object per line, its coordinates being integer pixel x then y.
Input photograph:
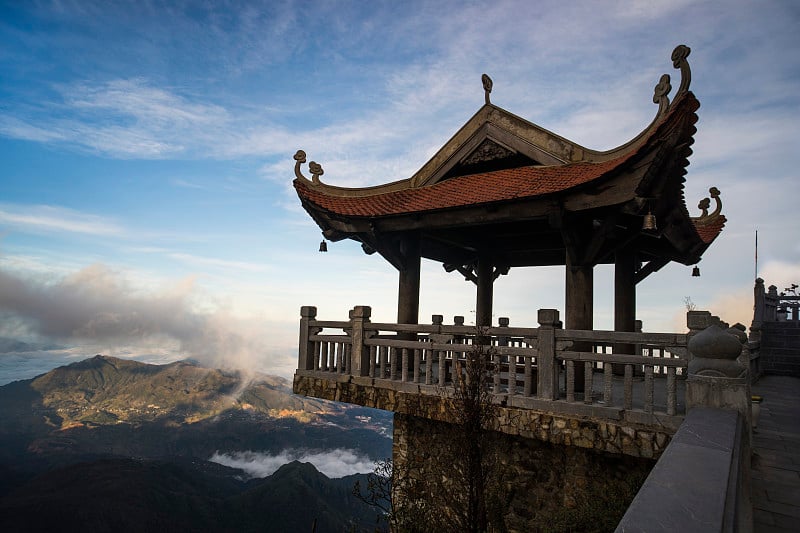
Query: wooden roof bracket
{"type": "Point", "coordinates": [593, 248]}
{"type": "Point", "coordinates": [468, 271]}
{"type": "Point", "coordinates": [654, 265]}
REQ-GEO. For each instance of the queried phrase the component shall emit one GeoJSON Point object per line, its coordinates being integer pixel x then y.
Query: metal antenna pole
{"type": "Point", "coordinates": [756, 265]}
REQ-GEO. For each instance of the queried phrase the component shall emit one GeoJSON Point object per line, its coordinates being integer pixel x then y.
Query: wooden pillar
{"type": "Point", "coordinates": [579, 304]}
{"type": "Point", "coordinates": [485, 292]}
{"type": "Point", "coordinates": [624, 300]}
{"type": "Point", "coordinates": [408, 286]}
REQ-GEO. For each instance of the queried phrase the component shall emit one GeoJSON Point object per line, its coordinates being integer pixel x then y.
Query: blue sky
{"type": "Point", "coordinates": [146, 207]}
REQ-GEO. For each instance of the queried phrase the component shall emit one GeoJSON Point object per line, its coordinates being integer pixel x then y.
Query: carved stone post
{"type": "Point", "coordinates": [738, 331]}
{"type": "Point", "coordinates": [771, 304]}
{"type": "Point", "coordinates": [360, 352]}
{"type": "Point", "coordinates": [759, 309]}
{"type": "Point", "coordinates": [305, 359]}
{"type": "Point", "coordinates": [716, 379]}
{"type": "Point", "coordinates": [502, 340]}
{"type": "Point", "coordinates": [547, 380]}
{"type": "Point", "coordinates": [697, 321]}
{"type": "Point", "coordinates": [458, 320]}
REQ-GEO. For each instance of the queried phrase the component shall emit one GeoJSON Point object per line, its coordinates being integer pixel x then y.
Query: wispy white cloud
{"type": "Point", "coordinates": [39, 218]}
{"type": "Point", "coordinates": [218, 263]}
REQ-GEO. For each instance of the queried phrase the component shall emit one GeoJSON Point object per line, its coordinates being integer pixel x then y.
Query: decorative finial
{"type": "Point", "coordinates": [316, 171]}
{"type": "Point", "coordinates": [662, 89]}
{"type": "Point", "coordinates": [661, 93]}
{"type": "Point", "coordinates": [487, 87]}
{"type": "Point", "coordinates": [679, 56]}
{"type": "Point", "coordinates": [314, 167]}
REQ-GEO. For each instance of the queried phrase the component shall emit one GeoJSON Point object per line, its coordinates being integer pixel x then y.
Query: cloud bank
{"type": "Point", "coordinates": [97, 308]}
{"type": "Point", "coordinates": [333, 463]}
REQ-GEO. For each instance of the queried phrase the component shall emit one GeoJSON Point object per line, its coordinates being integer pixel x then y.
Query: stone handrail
{"type": "Point", "coordinates": [527, 362]}
{"type": "Point", "coordinates": [702, 480]}
{"type": "Point", "coordinates": [700, 483]}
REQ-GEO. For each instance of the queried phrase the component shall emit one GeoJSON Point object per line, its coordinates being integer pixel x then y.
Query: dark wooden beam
{"type": "Point", "coordinates": [654, 265]}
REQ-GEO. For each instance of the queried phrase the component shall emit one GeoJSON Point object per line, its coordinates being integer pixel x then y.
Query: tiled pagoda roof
{"type": "Point", "coordinates": [497, 186]}
{"type": "Point", "coordinates": [501, 173]}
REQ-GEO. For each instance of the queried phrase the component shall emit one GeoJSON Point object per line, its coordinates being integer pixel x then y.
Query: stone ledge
{"type": "Point", "coordinates": [584, 426]}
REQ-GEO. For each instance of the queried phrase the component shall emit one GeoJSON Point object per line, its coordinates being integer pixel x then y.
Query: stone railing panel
{"type": "Point", "coordinates": [536, 363]}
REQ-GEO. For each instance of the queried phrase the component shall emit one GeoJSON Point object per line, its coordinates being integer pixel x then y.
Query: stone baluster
{"type": "Point", "coordinates": [373, 361]}
{"type": "Point", "coordinates": [547, 378]}
{"type": "Point", "coordinates": [383, 354]}
{"type": "Point", "coordinates": [637, 348]}
{"type": "Point", "coordinates": [417, 363]}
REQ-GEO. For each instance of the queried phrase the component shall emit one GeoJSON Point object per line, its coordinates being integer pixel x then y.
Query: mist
{"type": "Point", "coordinates": [100, 311]}
{"type": "Point", "coordinates": [333, 463]}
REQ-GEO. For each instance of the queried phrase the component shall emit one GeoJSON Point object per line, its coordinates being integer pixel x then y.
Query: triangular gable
{"type": "Point", "coordinates": [494, 139]}
{"type": "Point", "coordinates": [494, 134]}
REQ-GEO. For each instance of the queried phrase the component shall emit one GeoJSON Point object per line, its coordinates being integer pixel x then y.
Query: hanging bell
{"type": "Point", "coordinates": [696, 272]}
{"type": "Point", "coordinates": [323, 246]}
{"type": "Point", "coordinates": [649, 223]}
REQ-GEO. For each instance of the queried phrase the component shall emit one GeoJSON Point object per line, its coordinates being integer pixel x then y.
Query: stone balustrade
{"type": "Point", "coordinates": [529, 365]}
{"type": "Point", "coordinates": [701, 377]}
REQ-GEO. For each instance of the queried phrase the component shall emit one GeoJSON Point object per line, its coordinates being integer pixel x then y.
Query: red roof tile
{"type": "Point", "coordinates": [709, 231]}
{"type": "Point", "coordinates": [474, 189]}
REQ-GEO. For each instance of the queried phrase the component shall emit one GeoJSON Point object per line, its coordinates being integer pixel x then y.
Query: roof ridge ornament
{"type": "Point", "coordinates": [487, 87]}
{"type": "Point", "coordinates": [704, 204]}
{"type": "Point", "coordinates": [662, 89]}
{"type": "Point", "coordinates": [314, 167]}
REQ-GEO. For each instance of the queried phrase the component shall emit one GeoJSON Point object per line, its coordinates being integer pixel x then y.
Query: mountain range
{"type": "Point", "coordinates": [105, 440]}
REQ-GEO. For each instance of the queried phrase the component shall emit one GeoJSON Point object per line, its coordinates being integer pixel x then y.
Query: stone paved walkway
{"type": "Point", "coordinates": [776, 456]}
